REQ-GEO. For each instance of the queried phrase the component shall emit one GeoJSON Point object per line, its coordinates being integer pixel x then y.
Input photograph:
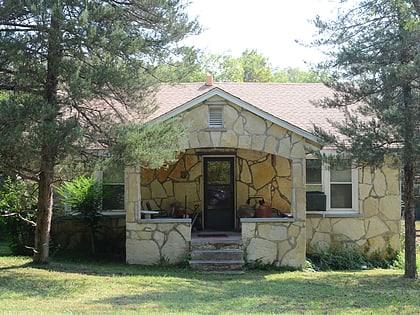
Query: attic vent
{"type": "Point", "coordinates": [215, 116]}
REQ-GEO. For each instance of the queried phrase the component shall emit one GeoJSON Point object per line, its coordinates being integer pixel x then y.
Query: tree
{"type": "Point", "coordinates": [249, 67]}
{"type": "Point", "coordinates": [71, 68]}
{"type": "Point", "coordinates": [295, 75]}
{"type": "Point", "coordinates": [256, 67]}
{"type": "Point", "coordinates": [373, 66]}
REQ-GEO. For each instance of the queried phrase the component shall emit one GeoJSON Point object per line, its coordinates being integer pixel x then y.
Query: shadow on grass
{"type": "Point", "coordinates": [172, 289]}
{"type": "Point", "coordinates": [271, 293]}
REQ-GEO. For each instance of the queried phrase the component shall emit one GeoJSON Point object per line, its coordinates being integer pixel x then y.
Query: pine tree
{"type": "Point", "coordinates": [69, 69]}
{"type": "Point", "coordinates": [373, 66]}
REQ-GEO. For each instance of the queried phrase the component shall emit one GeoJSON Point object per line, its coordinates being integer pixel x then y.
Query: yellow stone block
{"type": "Point", "coordinates": [271, 145]}
{"type": "Point", "coordinates": [262, 173]}
{"type": "Point", "coordinates": [254, 125]}
{"type": "Point", "coordinates": [238, 126]}
{"type": "Point", "coordinates": [248, 231]}
{"type": "Point", "coordinates": [375, 226]}
{"type": "Point", "coordinates": [229, 139]}
{"type": "Point", "coordinates": [370, 207]}
{"type": "Point", "coordinates": [353, 228]}
{"type": "Point", "coordinates": [379, 183]}
{"type": "Point", "coordinates": [273, 232]}
{"type": "Point", "coordinates": [390, 207]}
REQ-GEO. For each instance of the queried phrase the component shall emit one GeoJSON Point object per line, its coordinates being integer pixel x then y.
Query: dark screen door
{"type": "Point", "coordinates": [219, 193]}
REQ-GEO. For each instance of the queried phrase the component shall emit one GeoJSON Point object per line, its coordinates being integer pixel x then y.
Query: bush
{"type": "Point", "coordinates": [347, 257]}
{"type": "Point", "coordinates": [84, 195]}
{"type": "Point", "coordinates": [18, 210]}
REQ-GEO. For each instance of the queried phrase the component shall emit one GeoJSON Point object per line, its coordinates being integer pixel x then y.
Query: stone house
{"type": "Point", "coordinates": [249, 142]}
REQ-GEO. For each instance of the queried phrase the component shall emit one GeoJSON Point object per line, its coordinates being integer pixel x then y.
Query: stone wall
{"type": "Point", "coordinates": [274, 241]}
{"type": "Point", "coordinates": [269, 162]}
{"type": "Point", "coordinates": [375, 227]}
{"type": "Point", "coordinates": [70, 233]}
{"type": "Point", "coordinates": [257, 173]}
{"type": "Point", "coordinates": [156, 241]}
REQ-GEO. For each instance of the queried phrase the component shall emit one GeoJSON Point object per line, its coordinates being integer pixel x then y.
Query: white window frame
{"type": "Point", "coordinates": [326, 178]}
{"type": "Point", "coordinates": [99, 175]}
{"type": "Point", "coordinates": [326, 188]}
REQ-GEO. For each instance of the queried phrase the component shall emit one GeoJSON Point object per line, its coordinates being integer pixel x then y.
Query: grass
{"type": "Point", "coordinates": [86, 287]}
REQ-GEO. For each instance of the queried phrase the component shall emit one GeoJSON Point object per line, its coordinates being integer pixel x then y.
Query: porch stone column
{"type": "Point", "coordinates": [132, 200]}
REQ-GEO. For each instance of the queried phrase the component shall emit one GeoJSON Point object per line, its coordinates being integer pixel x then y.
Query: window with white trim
{"type": "Point", "coordinates": [215, 116]}
{"type": "Point", "coordinates": [112, 179]}
{"type": "Point", "coordinates": [338, 182]}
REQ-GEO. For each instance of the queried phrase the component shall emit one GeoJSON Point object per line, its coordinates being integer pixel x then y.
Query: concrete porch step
{"type": "Point", "coordinates": [217, 254]}
{"type": "Point", "coordinates": [219, 266]}
{"type": "Point", "coordinates": [215, 244]}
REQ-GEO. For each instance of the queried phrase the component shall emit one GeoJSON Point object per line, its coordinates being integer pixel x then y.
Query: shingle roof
{"type": "Point", "coordinates": [291, 102]}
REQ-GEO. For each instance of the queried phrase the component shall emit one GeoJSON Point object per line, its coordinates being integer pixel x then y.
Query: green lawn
{"type": "Point", "coordinates": [115, 288]}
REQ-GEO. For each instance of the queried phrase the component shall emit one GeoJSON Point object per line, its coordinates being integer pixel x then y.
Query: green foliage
{"type": "Point", "coordinates": [295, 75]}
{"type": "Point", "coordinates": [71, 69]}
{"type": "Point", "coordinates": [376, 88]}
{"type": "Point", "coordinates": [17, 213]}
{"type": "Point", "coordinates": [251, 66]}
{"type": "Point", "coordinates": [259, 264]}
{"type": "Point", "coordinates": [346, 257]}
{"type": "Point", "coordinates": [17, 196]}
{"type": "Point", "coordinates": [372, 65]}
{"type": "Point", "coordinates": [84, 195]}
{"type": "Point", "coordinates": [149, 146]}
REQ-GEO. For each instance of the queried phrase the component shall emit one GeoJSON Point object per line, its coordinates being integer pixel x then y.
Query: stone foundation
{"type": "Point", "coordinates": [274, 241]}
{"type": "Point", "coordinates": [155, 241]}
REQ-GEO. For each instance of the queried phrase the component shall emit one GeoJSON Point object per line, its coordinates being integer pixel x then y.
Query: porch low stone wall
{"type": "Point", "coordinates": [274, 241]}
{"type": "Point", "coordinates": [155, 241]}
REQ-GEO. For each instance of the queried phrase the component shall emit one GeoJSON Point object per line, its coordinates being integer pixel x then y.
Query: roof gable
{"type": "Point", "coordinates": [288, 105]}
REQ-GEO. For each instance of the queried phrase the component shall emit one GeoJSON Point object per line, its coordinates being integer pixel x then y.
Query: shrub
{"type": "Point", "coordinates": [348, 257]}
{"type": "Point", "coordinates": [17, 215]}
{"type": "Point", "coordinates": [84, 195]}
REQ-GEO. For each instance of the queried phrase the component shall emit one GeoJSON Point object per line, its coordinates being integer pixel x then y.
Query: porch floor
{"type": "Point", "coordinates": [216, 236]}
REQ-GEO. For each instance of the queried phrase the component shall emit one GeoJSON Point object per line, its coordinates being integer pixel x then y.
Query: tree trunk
{"type": "Point", "coordinates": [44, 212]}
{"type": "Point", "coordinates": [50, 146]}
{"type": "Point", "coordinates": [410, 222]}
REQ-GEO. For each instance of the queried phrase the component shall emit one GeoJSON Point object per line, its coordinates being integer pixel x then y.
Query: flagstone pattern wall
{"type": "Point", "coordinates": [154, 241]}
{"type": "Point", "coordinates": [378, 224]}
{"type": "Point", "coordinates": [257, 173]}
{"type": "Point", "coordinates": [274, 241]}
{"type": "Point", "coordinates": [269, 163]}
{"type": "Point", "coordinates": [269, 159]}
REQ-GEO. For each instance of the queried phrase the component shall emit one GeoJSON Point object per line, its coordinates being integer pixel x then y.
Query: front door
{"type": "Point", "coordinates": [219, 193]}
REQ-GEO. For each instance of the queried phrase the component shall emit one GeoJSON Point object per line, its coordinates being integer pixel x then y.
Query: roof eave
{"type": "Point", "coordinates": [311, 139]}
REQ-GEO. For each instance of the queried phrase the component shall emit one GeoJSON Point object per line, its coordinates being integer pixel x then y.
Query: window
{"type": "Point", "coordinates": [340, 187]}
{"type": "Point", "coordinates": [338, 182]}
{"type": "Point", "coordinates": [313, 175]}
{"type": "Point", "coordinates": [113, 188]}
{"type": "Point", "coordinates": [215, 116]}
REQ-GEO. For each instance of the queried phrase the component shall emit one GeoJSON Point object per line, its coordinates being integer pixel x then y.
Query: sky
{"type": "Point", "coordinates": [269, 26]}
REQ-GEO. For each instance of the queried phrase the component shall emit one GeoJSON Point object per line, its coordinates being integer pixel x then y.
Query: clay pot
{"type": "Point", "coordinates": [246, 211]}
{"type": "Point", "coordinates": [264, 211]}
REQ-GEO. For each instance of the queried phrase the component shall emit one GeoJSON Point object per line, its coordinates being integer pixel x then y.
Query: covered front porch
{"type": "Point", "coordinates": [209, 189]}
{"type": "Point", "coordinates": [278, 241]}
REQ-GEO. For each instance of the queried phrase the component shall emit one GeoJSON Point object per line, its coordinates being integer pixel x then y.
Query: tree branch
{"type": "Point", "coordinates": [17, 214]}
